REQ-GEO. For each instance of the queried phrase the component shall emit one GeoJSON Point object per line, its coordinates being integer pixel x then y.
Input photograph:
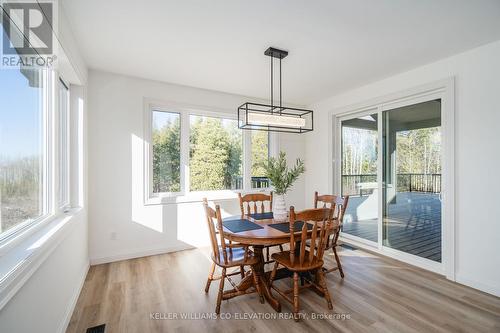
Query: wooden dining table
{"type": "Point", "coordinates": [258, 239]}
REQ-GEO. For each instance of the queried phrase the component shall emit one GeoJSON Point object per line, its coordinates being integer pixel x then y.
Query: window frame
{"type": "Point", "coordinates": [185, 194]}
{"type": "Point", "coordinates": [25, 246]}
{"type": "Point", "coordinates": [50, 140]}
{"type": "Point", "coordinates": [65, 183]}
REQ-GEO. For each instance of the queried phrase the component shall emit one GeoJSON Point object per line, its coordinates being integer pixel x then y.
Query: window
{"type": "Point", "coordinates": [215, 154]}
{"type": "Point", "coordinates": [23, 148]}
{"type": "Point", "coordinates": [166, 136]}
{"type": "Point", "coordinates": [196, 151]}
{"type": "Point", "coordinates": [34, 147]}
{"type": "Point", "coordinates": [63, 145]}
{"type": "Point", "coordinates": [260, 155]}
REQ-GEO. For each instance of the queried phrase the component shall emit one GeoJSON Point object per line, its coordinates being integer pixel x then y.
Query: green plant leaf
{"type": "Point", "coordinates": [281, 177]}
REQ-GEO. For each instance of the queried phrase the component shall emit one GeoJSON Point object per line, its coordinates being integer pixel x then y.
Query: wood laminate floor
{"type": "Point", "coordinates": [377, 294]}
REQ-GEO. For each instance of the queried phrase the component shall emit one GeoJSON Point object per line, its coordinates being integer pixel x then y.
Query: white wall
{"type": "Point", "coordinates": [46, 301]}
{"type": "Point", "coordinates": [477, 157]}
{"type": "Point", "coordinates": [116, 188]}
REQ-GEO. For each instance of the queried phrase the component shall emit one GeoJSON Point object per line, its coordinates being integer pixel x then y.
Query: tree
{"type": "Point", "coordinates": [260, 153]}
{"type": "Point", "coordinates": [234, 168]}
{"type": "Point", "coordinates": [359, 150]}
{"type": "Point", "coordinates": [215, 155]}
{"type": "Point", "coordinates": [166, 158]}
{"type": "Point", "coordinates": [419, 151]}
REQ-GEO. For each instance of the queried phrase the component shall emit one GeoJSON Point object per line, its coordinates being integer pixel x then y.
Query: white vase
{"type": "Point", "coordinates": [280, 213]}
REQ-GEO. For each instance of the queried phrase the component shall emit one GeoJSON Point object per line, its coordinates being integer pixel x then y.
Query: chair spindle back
{"type": "Point", "coordinates": [322, 218]}
{"type": "Point", "coordinates": [255, 201]}
{"type": "Point", "coordinates": [213, 217]}
{"type": "Point", "coordinates": [341, 205]}
{"type": "Point", "coordinates": [328, 200]}
{"type": "Point", "coordinates": [338, 218]}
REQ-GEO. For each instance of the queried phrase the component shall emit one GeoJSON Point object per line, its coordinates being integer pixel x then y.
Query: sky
{"type": "Point", "coordinates": [165, 118]}
{"type": "Point", "coordinates": [162, 119]}
{"type": "Point", "coordinates": [20, 115]}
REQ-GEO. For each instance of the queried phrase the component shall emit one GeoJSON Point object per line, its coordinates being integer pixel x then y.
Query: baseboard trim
{"type": "Point", "coordinates": [74, 299]}
{"type": "Point", "coordinates": [489, 289]}
{"type": "Point", "coordinates": [138, 253]}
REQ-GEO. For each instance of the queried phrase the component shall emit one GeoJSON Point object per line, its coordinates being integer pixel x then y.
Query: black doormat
{"type": "Point", "coordinates": [241, 225]}
{"type": "Point", "coordinates": [262, 216]}
{"type": "Point", "coordinates": [97, 329]}
{"type": "Point", "coordinates": [285, 226]}
{"type": "Point", "coordinates": [348, 247]}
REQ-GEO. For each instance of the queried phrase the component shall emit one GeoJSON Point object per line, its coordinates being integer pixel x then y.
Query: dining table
{"type": "Point", "coordinates": [266, 235]}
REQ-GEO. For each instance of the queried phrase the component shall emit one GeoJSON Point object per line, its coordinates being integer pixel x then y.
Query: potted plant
{"type": "Point", "coordinates": [282, 179]}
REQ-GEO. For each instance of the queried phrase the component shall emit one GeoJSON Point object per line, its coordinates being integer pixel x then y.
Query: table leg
{"type": "Point", "coordinates": [247, 281]}
{"type": "Point", "coordinates": [259, 270]}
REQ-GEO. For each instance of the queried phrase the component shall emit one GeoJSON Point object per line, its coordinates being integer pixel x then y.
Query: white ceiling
{"type": "Point", "coordinates": [334, 45]}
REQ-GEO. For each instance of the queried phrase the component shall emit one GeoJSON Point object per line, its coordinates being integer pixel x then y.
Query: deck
{"type": "Point", "coordinates": [412, 225]}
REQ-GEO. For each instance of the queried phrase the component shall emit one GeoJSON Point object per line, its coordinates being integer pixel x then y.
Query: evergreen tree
{"type": "Point", "coordinates": [211, 154]}
{"type": "Point", "coordinates": [166, 158]}
{"type": "Point", "coordinates": [259, 153]}
{"type": "Point", "coordinates": [234, 169]}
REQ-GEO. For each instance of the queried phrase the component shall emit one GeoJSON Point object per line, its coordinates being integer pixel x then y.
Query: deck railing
{"type": "Point", "coordinates": [419, 182]}
{"type": "Point", "coordinates": [354, 184]}
{"type": "Point", "coordinates": [257, 182]}
{"type": "Point", "coordinates": [364, 184]}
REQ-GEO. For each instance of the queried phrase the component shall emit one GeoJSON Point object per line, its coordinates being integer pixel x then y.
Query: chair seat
{"type": "Point", "coordinates": [235, 257]}
{"type": "Point", "coordinates": [284, 259]}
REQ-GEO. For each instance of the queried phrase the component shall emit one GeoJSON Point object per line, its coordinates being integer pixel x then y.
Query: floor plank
{"type": "Point", "coordinates": [377, 294]}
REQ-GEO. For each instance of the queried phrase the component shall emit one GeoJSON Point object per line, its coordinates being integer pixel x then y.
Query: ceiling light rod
{"type": "Point", "coordinates": [280, 54]}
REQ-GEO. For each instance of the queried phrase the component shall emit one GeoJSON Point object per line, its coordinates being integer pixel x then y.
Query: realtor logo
{"type": "Point", "coordinates": [27, 38]}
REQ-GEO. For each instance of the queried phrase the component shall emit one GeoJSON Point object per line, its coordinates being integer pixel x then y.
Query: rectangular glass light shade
{"type": "Point", "coordinates": [263, 117]}
{"type": "Point", "coordinates": [275, 120]}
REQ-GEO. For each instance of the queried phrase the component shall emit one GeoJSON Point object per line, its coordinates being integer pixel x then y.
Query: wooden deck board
{"type": "Point", "coordinates": [415, 224]}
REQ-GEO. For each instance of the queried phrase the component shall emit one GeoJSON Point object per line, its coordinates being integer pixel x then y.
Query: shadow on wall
{"type": "Point", "coordinates": [191, 221]}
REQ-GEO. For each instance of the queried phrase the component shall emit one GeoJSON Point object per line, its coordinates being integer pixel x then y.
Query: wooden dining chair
{"type": "Point", "coordinates": [226, 255]}
{"type": "Point", "coordinates": [338, 205]}
{"type": "Point", "coordinates": [255, 203]}
{"type": "Point", "coordinates": [300, 260]}
{"type": "Point", "coordinates": [325, 200]}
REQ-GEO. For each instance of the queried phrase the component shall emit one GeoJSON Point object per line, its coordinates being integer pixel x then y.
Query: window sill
{"type": "Point", "coordinates": [22, 260]}
{"type": "Point", "coordinates": [198, 196]}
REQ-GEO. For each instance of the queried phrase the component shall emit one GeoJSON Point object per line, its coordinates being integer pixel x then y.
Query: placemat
{"type": "Point", "coordinates": [262, 216]}
{"type": "Point", "coordinates": [241, 225]}
{"type": "Point", "coordinates": [285, 226]}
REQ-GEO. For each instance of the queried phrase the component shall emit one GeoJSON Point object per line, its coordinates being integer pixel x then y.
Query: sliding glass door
{"type": "Point", "coordinates": [412, 179]}
{"type": "Point", "coordinates": [390, 166]}
{"type": "Point", "coordinates": [359, 137]}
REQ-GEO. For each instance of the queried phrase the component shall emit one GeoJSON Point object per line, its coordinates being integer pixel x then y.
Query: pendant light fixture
{"type": "Point", "coordinates": [271, 117]}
